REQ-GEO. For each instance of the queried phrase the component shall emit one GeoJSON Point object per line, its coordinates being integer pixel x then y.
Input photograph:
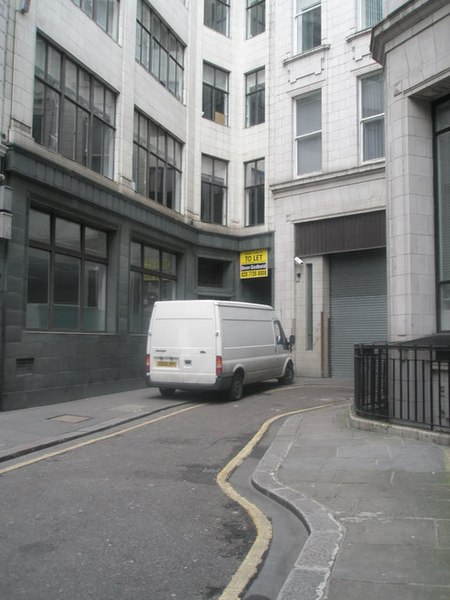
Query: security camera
{"type": "Point", "coordinates": [298, 261]}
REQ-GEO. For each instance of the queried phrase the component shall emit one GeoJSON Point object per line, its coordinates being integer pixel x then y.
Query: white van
{"type": "Point", "coordinates": [215, 345]}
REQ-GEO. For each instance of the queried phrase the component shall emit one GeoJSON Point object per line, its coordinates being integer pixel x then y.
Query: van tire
{"type": "Point", "coordinates": [237, 387]}
{"type": "Point", "coordinates": [166, 392]}
{"type": "Point", "coordinates": [288, 375]}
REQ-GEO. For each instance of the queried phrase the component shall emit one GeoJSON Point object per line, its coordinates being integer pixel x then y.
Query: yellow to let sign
{"type": "Point", "coordinates": [253, 264]}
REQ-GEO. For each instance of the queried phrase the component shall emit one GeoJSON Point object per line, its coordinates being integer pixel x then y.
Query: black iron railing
{"type": "Point", "coordinates": [404, 383]}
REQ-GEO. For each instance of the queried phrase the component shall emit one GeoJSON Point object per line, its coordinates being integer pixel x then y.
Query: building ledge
{"type": "Point", "coordinates": [370, 169]}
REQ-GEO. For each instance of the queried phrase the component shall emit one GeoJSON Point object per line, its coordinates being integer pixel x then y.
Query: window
{"type": "Point", "coordinates": [67, 270]}
{"type": "Point", "coordinates": [217, 15]}
{"type": "Point", "coordinates": [255, 88]}
{"type": "Point", "coordinates": [156, 163]}
{"type": "Point", "coordinates": [152, 277]}
{"type": "Point", "coordinates": [372, 117]}
{"type": "Point", "coordinates": [215, 94]}
{"type": "Point", "coordinates": [308, 24]}
{"type": "Point", "coordinates": [104, 12]}
{"type": "Point", "coordinates": [256, 17]}
{"type": "Point", "coordinates": [214, 190]}
{"type": "Point", "coordinates": [442, 161]}
{"type": "Point", "coordinates": [254, 192]}
{"type": "Point", "coordinates": [74, 113]}
{"type": "Point", "coordinates": [159, 50]}
{"type": "Point", "coordinates": [309, 133]}
{"type": "Point", "coordinates": [210, 272]}
{"type": "Point", "coordinates": [371, 13]}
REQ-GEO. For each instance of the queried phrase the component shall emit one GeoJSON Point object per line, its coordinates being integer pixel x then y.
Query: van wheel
{"type": "Point", "coordinates": [166, 392]}
{"type": "Point", "coordinates": [288, 376]}
{"type": "Point", "coordinates": [237, 387]}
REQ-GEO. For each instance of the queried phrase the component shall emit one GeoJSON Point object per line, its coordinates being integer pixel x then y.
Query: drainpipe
{"type": "Point", "coordinates": [5, 235]}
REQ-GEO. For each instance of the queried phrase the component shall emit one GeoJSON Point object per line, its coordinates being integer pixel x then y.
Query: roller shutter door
{"type": "Point", "coordinates": [358, 307]}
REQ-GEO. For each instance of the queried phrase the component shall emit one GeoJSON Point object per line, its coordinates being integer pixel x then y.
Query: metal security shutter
{"type": "Point", "coordinates": [358, 307]}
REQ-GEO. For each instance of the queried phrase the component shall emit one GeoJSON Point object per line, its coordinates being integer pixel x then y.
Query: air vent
{"type": "Point", "coordinates": [24, 366]}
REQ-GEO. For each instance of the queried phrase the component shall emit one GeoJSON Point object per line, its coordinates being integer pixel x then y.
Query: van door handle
{"type": "Point", "coordinates": [202, 351]}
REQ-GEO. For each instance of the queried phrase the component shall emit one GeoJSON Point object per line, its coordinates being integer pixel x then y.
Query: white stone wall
{"type": "Point", "coordinates": [416, 66]}
{"type": "Point", "coordinates": [344, 186]}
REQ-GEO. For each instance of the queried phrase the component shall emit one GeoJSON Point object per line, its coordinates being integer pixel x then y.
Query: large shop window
{"type": "Point", "coordinates": [156, 163]}
{"type": "Point", "coordinates": [104, 12]}
{"type": "Point", "coordinates": [442, 166]}
{"type": "Point", "coordinates": [159, 50]}
{"type": "Point", "coordinates": [153, 276]}
{"type": "Point", "coordinates": [73, 113]}
{"type": "Point", "coordinates": [67, 272]}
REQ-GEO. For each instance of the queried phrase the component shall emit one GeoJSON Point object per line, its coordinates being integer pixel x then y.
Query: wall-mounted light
{"type": "Point", "coordinates": [24, 6]}
{"type": "Point", "coordinates": [298, 262]}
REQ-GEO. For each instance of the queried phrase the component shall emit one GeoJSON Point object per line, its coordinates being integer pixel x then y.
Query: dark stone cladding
{"type": "Point", "coordinates": [46, 367]}
{"type": "Point", "coordinates": [29, 166]}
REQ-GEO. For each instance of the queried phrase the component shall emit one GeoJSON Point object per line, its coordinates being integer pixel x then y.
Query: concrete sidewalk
{"type": "Point", "coordinates": [31, 429]}
{"type": "Point", "coordinates": [375, 502]}
{"type": "Point", "coordinates": [377, 508]}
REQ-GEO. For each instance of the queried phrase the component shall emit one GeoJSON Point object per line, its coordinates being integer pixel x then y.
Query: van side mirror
{"type": "Point", "coordinates": [291, 340]}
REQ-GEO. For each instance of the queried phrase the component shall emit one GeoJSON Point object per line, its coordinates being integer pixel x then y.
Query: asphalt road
{"type": "Point", "coordinates": [140, 515]}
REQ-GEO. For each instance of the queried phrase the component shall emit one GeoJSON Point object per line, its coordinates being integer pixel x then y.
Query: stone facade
{"type": "Point", "coordinates": [331, 215]}
{"type": "Point", "coordinates": [413, 46]}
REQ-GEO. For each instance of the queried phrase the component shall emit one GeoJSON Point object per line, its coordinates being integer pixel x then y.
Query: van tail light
{"type": "Point", "coordinates": [147, 363]}
{"type": "Point", "coordinates": [219, 366]}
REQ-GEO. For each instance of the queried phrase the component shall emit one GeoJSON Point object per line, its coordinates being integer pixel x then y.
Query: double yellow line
{"type": "Point", "coordinates": [90, 441]}
{"type": "Point", "coordinates": [249, 567]}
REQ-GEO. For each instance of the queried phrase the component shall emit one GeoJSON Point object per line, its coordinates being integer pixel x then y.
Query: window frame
{"type": "Point", "coordinates": [210, 186]}
{"type": "Point", "coordinates": [255, 99]}
{"type": "Point", "coordinates": [308, 135]}
{"type": "Point", "coordinates": [216, 94]}
{"type": "Point", "coordinates": [254, 24]}
{"type": "Point", "coordinates": [97, 106]}
{"type": "Point", "coordinates": [112, 15]}
{"type": "Point", "coordinates": [211, 18]}
{"type": "Point", "coordinates": [254, 194]}
{"type": "Point", "coordinates": [159, 50]}
{"type": "Point", "coordinates": [371, 119]}
{"type": "Point", "coordinates": [366, 22]}
{"type": "Point", "coordinates": [165, 158]}
{"type": "Point", "coordinates": [300, 24]}
{"type": "Point", "coordinates": [441, 130]}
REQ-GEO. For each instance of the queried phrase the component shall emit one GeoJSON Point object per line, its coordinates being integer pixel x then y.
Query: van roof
{"type": "Point", "coordinates": [217, 303]}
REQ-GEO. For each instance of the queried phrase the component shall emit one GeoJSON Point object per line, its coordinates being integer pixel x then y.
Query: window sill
{"type": "Point", "coordinates": [358, 34]}
{"type": "Point", "coordinates": [318, 49]}
{"type": "Point", "coordinates": [373, 161]}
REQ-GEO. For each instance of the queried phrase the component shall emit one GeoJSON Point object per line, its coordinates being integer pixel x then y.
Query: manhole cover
{"type": "Point", "coordinates": [69, 418]}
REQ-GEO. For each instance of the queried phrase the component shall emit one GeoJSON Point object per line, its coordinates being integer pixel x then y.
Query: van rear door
{"type": "Point", "coordinates": [183, 350]}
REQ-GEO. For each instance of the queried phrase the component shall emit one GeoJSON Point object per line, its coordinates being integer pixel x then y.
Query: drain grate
{"type": "Point", "coordinates": [69, 418]}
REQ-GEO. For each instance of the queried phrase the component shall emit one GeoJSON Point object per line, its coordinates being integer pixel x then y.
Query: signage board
{"type": "Point", "coordinates": [253, 263]}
